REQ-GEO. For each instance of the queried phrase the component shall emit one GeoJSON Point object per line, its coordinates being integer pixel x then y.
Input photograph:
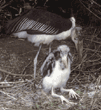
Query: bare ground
{"type": "Point", "coordinates": [18, 90]}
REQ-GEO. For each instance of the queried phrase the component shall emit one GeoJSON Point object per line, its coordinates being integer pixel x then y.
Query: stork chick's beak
{"type": "Point", "coordinates": [64, 60]}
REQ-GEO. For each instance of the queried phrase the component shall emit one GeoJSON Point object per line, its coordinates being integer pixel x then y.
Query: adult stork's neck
{"type": "Point", "coordinates": [65, 34]}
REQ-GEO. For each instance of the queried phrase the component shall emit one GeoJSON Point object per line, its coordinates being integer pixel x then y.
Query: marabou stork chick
{"type": "Point", "coordinates": [56, 70]}
{"type": "Point", "coordinates": [40, 26]}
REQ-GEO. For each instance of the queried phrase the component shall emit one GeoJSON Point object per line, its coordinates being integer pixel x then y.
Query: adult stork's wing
{"type": "Point", "coordinates": [40, 21]}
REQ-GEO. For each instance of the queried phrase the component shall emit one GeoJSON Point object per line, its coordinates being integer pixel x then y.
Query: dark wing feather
{"type": "Point", "coordinates": [39, 20]}
{"type": "Point", "coordinates": [47, 65]}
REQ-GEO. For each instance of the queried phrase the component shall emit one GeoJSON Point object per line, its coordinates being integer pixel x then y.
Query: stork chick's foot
{"type": "Point", "coordinates": [73, 94]}
{"type": "Point", "coordinates": [63, 99]}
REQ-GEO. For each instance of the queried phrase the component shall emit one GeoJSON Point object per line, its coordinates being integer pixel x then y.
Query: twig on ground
{"type": "Point", "coordinates": [4, 71]}
{"type": "Point", "coordinates": [12, 82]}
{"type": "Point", "coordinates": [93, 41]}
{"type": "Point", "coordinates": [8, 95]}
{"type": "Point", "coordinates": [25, 67]}
{"type": "Point", "coordinates": [6, 86]}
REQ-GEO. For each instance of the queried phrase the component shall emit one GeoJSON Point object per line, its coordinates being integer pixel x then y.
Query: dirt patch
{"type": "Point", "coordinates": [18, 90]}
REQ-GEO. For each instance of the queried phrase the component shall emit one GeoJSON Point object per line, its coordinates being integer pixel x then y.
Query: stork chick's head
{"type": "Point", "coordinates": [65, 53]}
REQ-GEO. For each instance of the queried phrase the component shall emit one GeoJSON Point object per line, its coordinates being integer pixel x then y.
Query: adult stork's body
{"type": "Point", "coordinates": [42, 27]}
{"type": "Point", "coordinates": [56, 70]}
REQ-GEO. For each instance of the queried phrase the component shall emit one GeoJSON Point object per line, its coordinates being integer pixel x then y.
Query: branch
{"type": "Point", "coordinates": [96, 3]}
{"type": "Point", "coordinates": [90, 10]}
{"type": "Point", "coordinates": [1, 7]}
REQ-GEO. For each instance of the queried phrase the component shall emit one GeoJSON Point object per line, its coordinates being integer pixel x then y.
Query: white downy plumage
{"type": "Point", "coordinates": [56, 70]}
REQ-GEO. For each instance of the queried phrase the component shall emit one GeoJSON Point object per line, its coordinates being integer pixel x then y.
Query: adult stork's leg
{"type": "Point", "coordinates": [35, 60]}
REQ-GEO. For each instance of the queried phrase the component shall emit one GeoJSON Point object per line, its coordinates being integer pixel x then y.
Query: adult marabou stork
{"type": "Point", "coordinates": [56, 70]}
{"type": "Point", "coordinates": [42, 27]}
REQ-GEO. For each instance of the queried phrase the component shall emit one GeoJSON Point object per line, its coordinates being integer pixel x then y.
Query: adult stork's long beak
{"type": "Point", "coordinates": [79, 48]}
{"type": "Point", "coordinates": [75, 35]}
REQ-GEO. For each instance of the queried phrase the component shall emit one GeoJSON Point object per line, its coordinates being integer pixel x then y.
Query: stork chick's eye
{"type": "Point", "coordinates": [57, 55]}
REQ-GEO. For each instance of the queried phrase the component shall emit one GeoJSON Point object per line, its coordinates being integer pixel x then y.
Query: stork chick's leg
{"type": "Point", "coordinates": [72, 93]}
{"type": "Point", "coordinates": [61, 97]}
{"type": "Point", "coordinates": [35, 60]}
